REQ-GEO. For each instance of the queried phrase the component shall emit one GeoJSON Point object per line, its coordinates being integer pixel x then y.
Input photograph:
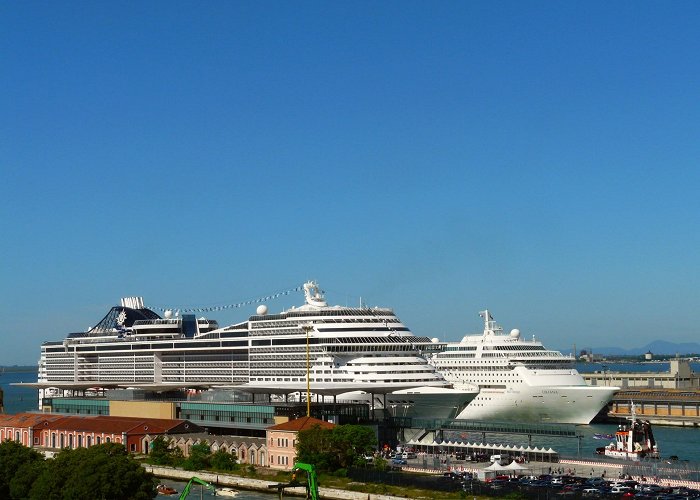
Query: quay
{"type": "Point", "coordinates": [660, 472]}
{"type": "Point", "coordinates": [261, 485]}
{"type": "Point", "coordinates": [660, 406]}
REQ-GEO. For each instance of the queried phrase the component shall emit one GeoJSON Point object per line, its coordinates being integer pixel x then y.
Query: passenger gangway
{"type": "Point", "coordinates": [437, 427]}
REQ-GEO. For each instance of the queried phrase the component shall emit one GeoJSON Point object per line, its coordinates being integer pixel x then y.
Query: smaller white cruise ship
{"type": "Point", "coordinates": [518, 379]}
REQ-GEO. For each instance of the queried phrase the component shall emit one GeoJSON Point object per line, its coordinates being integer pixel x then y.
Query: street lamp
{"type": "Point", "coordinates": [308, 328]}
{"type": "Point", "coordinates": [605, 374]}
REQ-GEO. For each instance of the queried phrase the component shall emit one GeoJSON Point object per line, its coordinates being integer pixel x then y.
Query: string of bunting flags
{"type": "Point", "coordinates": [229, 306]}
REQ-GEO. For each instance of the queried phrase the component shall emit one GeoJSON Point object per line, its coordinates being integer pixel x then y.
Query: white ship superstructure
{"type": "Point", "coordinates": [518, 379]}
{"type": "Point", "coordinates": [347, 349]}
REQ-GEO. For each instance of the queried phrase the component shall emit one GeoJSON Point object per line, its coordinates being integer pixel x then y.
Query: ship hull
{"type": "Point", "coordinates": [565, 405]}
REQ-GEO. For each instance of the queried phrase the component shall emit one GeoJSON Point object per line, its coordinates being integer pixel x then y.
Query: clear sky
{"type": "Point", "coordinates": [539, 159]}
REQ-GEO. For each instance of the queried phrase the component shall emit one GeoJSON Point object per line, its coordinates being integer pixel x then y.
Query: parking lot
{"type": "Point", "coordinates": [542, 479]}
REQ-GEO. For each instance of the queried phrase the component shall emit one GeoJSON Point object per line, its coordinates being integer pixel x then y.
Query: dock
{"type": "Point", "coordinates": [660, 406]}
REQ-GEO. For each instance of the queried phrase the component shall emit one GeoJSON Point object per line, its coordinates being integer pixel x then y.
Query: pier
{"type": "Point", "coordinates": [659, 406]}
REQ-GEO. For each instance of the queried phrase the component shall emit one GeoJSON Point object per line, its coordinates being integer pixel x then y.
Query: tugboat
{"type": "Point", "coordinates": [633, 441]}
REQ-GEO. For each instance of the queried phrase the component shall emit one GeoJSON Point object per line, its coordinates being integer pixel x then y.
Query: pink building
{"type": "Point", "coordinates": [20, 427]}
{"type": "Point", "coordinates": [282, 440]}
{"type": "Point", "coordinates": [54, 432]}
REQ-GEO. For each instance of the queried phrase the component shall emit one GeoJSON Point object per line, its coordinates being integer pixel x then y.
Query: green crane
{"type": "Point", "coordinates": [311, 479]}
{"type": "Point", "coordinates": [188, 487]}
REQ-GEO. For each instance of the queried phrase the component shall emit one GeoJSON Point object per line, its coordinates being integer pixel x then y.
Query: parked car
{"type": "Point", "coordinates": [398, 461]}
{"type": "Point", "coordinates": [620, 489]}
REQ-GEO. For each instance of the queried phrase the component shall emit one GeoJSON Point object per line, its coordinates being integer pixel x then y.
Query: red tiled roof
{"type": "Point", "coordinates": [301, 424]}
{"type": "Point", "coordinates": [27, 420]}
{"type": "Point", "coordinates": [108, 425]}
{"type": "Point", "coordinates": [98, 423]}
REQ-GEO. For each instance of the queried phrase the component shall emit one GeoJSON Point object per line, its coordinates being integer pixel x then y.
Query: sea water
{"type": "Point", "coordinates": [19, 399]}
{"type": "Point", "coordinates": [198, 491]}
{"type": "Point", "coordinates": [636, 367]}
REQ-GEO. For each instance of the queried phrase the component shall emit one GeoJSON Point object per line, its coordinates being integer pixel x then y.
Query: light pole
{"type": "Point", "coordinates": [308, 327]}
{"type": "Point", "coordinates": [605, 374]}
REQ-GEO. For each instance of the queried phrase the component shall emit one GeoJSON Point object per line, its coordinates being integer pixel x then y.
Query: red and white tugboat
{"type": "Point", "coordinates": [633, 441]}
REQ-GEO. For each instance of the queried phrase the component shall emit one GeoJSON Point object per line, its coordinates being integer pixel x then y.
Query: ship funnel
{"type": "Point", "coordinates": [133, 302]}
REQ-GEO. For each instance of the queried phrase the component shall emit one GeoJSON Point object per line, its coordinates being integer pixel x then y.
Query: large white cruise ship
{"type": "Point", "coordinates": [347, 349]}
{"type": "Point", "coordinates": [518, 379]}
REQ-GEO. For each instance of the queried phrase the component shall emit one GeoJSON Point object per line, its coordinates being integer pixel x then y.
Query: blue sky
{"type": "Point", "coordinates": [539, 159]}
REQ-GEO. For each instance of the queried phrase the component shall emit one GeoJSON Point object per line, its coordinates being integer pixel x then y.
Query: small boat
{"type": "Point", "coordinates": [603, 436]}
{"type": "Point", "coordinates": [164, 489]}
{"type": "Point", "coordinates": [633, 441]}
{"type": "Point", "coordinates": [226, 492]}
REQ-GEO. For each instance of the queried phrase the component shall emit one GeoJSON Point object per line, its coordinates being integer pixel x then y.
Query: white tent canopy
{"type": "Point", "coordinates": [515, 466]}
{"type": "Point", "coordinates": [496, 466]}
{"type": "Point", "coordinates": [529, 452]}
{"type": "Point", "coordinates": [483, 446]}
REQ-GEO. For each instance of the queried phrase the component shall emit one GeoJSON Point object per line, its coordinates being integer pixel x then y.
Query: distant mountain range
{"type": "Point", "coordinates": [656, 347]}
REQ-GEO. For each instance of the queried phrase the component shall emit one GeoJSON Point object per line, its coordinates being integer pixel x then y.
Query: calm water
{"type": "Point", "coordinates": [198, 491]}
{"type": "Point", "coordinates": [683, 442]}
{"type": "Point", "coordinates": [654, 366]}
{"type": "Point", "coordinates": [19, 399]}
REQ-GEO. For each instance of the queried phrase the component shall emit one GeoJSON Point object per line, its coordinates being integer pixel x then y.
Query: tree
{"type": "Point", "coordinates": [312, 447]}
{"type": "Point", "coordinates": [222, 461]}
{"type": "Point", "coordinates": [19, 468]}
{"type": "Point", "coordinates": [350, 443]}
{"type": "Point", "coordinates": [105, 471]}
{"type": "Point", "coordinates": [336, 448]}
{"type": "Point", "coordinates": [199, 457]}
{"type": "Point", "coordinates": [162, 452]}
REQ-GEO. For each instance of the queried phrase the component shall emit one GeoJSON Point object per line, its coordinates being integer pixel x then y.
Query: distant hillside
{"type": "Point", "coordinates": [16, 368]}
{"type": "Point", "coordinates": [656, 347]}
